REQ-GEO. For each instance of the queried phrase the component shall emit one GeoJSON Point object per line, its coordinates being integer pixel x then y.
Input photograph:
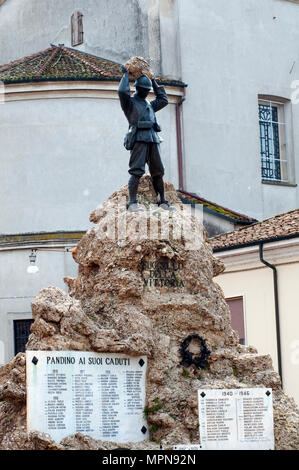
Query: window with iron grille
{"type": "Point", "coordinates": [21, 334]}
{"type": "Point", "coordinates": [273, 141]}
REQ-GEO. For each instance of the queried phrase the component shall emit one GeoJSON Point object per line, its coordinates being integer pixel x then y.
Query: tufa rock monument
{"type": "Point", "coordinates": [125, 301]}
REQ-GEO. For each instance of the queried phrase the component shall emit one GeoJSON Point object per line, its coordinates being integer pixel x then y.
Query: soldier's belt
{"type": "Point", "coordinates": [145, 124]}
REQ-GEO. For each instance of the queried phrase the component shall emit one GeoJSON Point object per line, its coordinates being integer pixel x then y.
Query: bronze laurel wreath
{"type": "Point", "coordinates": [188, 358]}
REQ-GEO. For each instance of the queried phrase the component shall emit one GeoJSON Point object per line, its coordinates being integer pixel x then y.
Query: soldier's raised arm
{"type": "Point", "coordinates": [161, 97]}
{"type": "Point", "coordinates": [124, 92]}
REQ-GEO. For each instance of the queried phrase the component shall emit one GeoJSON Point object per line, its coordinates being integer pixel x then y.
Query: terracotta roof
{"type": "Point", "coordinates": [221, 210]}
{"type": "Point", "coordinates": [281, 226]}
{"type": "Point", "coordinates": [64, 63]}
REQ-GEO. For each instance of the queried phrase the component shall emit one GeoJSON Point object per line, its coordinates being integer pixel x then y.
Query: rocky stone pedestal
{"type": "Point", "coordinates": [144, 295]}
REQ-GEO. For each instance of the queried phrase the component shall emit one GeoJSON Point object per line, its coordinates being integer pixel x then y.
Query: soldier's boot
{"type": "Point", "coordinates": [158, 185]}
{"type": "Point", "coordinates": [132, 205]}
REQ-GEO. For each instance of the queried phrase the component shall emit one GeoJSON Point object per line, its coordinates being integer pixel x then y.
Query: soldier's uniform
{"type": "Point", "coordinates": [141, 112]}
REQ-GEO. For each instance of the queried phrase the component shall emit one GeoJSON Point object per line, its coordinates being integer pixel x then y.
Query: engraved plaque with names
{"type": "Point", "coordinates": [100, 395]}
{"type": "Point", "coordinates": [236, 419]}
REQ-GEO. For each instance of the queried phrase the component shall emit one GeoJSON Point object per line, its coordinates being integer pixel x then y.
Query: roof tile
{"type": "Point", "coordinates": [279, 226]}
{"type": "Point", "coordinates": [62, 63]}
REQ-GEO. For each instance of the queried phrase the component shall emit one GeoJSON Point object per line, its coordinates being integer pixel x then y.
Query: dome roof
{"type": "Point", "coordinates": [64, 63]}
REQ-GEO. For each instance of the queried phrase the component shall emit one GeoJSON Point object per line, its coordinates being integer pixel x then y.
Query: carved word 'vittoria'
{"type": "Point", "coordinates": [162, 274]}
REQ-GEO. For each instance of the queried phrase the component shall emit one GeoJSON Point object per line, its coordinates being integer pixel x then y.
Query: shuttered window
{"type": "Point", "coordinates": [77, 28]}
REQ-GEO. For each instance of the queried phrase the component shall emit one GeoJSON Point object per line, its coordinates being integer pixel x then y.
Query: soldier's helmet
{"type": "Point", "coordinates": [143, 82]}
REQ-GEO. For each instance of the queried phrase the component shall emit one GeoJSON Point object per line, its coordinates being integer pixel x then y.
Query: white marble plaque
{"type": "Point", "coordinates": [100, 395]}
{"type": "Point", "coordinates": [236, 419]}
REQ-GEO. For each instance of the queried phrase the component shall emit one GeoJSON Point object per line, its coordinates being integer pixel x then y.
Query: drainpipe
{"type": "Point", "coordinates": [178, 107]}
{"type": "Point", "coordinates": [277, 321]}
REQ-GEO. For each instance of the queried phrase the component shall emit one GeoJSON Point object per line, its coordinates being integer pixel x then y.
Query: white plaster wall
{"type": "Point", "coordinates": [231, 51]}
{"type": "Point", "coordinates": [170, 39]}
{"type": "Point", "coordinates": [114, 29]}
{"type": "Point", "coordinates": [228, 51]}
{"type": "Point", "coordinates": [2, 353]}
{"type": "Point", "coordinates": [61, 158]}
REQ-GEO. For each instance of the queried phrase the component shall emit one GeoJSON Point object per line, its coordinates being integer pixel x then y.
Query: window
{"type": "Point", "coordinates": [21, 334]}
{"type": "Point", "coordinates": [273, 141]}
{"type": "Point", "coordinates": [77, 28]}
{"type": "Point", "coordinates": [237, 316]}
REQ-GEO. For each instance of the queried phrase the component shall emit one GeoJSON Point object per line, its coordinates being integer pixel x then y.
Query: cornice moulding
{"type": "Point", "coordinates": [74, 89]}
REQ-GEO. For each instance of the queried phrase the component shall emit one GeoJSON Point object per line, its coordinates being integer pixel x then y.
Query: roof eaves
{"type": "Point", "coordinates": [60, 79]}
{"type": "Point", "coordinates": [165, 81]}
{"type": "Point", "coordinates": [82, 78]}
{"type": "Point", "coordinates": [240, 232]}
{"type": "Point", "coordinates": [253, 242]}
{"type": "Point", "coordinates": [36, 237]}
{"type": "Point", "coordinates": [85, 58]}
{"type": "Point", "coordinates": [221, 210]}
{"type": "Point", "coordinates": [213, 211]}
{"type": "Point", "coordinates": [226, 217]}
{"type": "Point", "coordinates": [261, 222]}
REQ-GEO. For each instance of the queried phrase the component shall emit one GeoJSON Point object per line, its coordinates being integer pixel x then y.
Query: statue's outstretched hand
{"type": "Point", "coordinates": [123, 69]}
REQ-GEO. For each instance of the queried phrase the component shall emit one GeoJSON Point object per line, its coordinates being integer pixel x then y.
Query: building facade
{"type": "Point", "coordinates": [18, 287]}
{"type": "Point", "coordinates": [240, 60]}
{"type": "Point", "coordinates": [260, 285]}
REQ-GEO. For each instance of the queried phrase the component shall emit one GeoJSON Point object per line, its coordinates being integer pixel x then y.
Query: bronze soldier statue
{"type": "Point", "coordinates": [145, 142]}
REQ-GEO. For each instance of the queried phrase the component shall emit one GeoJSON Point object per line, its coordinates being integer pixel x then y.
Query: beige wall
{"type": "Point", "coordinates": [289, 306]}
{"type": "Point", "coordinates": [254, 282]}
